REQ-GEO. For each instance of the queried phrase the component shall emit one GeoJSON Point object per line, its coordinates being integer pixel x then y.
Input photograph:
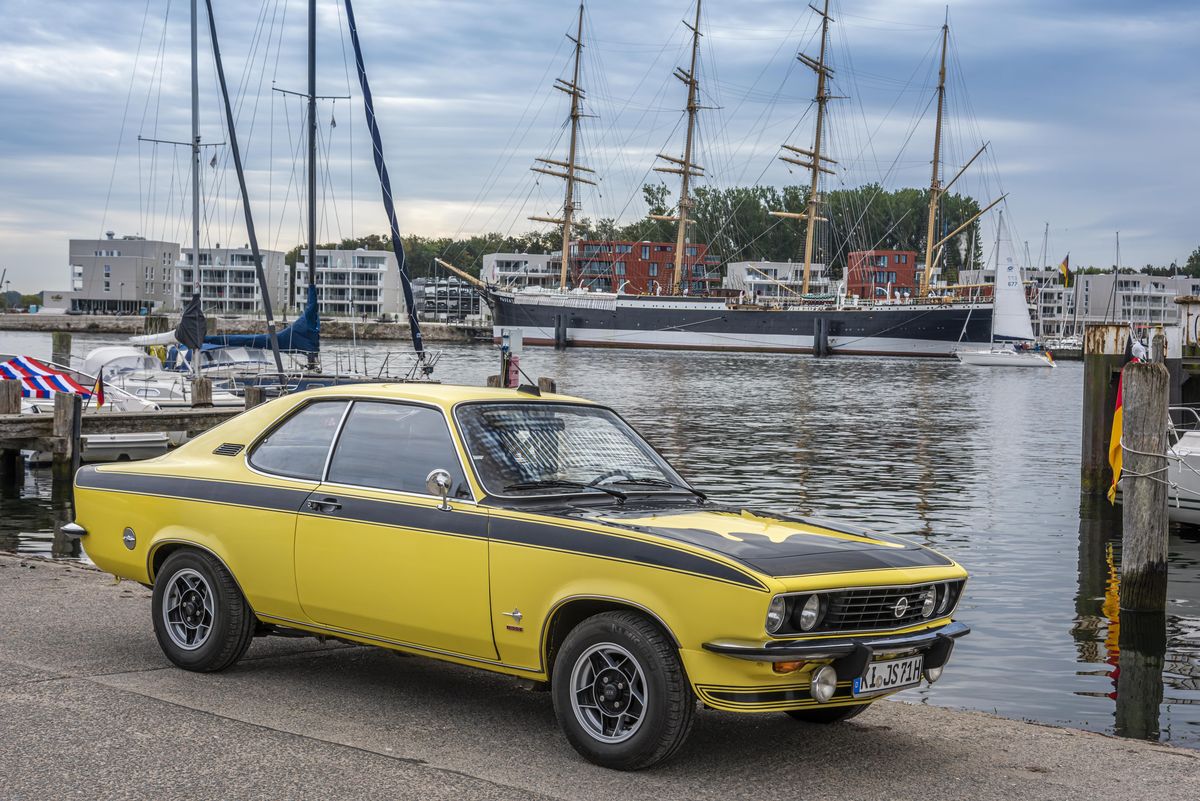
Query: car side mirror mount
{"type": "Point", "coordinates": [438, 483]}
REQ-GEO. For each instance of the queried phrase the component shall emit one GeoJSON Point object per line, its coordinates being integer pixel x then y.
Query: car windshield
{"type": "Point", "coordinates": [546, 448]}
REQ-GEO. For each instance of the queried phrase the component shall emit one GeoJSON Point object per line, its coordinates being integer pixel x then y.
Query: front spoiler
{"type": "Point", "coordinates": [850, 654]}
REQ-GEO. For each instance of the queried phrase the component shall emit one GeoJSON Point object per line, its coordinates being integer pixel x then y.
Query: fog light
{"type": "Point", "coordinates": [932, 674]}
{"type": "Point", "coordinates": [787, 667]}
{"type": "Point", "coordinates": [776, 614]}
{"type": "Point", "coordinates": [824, 683]}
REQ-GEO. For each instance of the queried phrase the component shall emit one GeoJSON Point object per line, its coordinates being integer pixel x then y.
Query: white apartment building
{"type": "Point", "coordinates": [521, 270]}
{"type": "Point", "coordinates": [353, 283]}
{"type": "Point", "coordinates": [229, 282]}
{"type": "Point", "coordinates": [1133, 298]}
{"type": "Point", "coordinates": [775, 280]}
{"type": "Point", "coordinates": [120, 275]}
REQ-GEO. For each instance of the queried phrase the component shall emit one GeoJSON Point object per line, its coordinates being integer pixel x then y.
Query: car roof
{"type": "Point", "coordinates": [445, 395]}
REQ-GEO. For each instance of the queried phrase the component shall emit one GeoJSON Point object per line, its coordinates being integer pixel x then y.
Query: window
{"type": "Point", "coordinates": [108, 286]}
{"type": "Point", "coordinates": [299, 447]}
{"type": "Point", "coordinates": [691, 251]}
{"type": "Point", "coordinates": [394, 446]}
{"type": "Point", "coordinates": [652, 270]}
{"type": "Point", "coordinates": [623, 248]}
{"type": "Point", "coordinates": [619, 268]}
{"type": "Point", "coordinates": [902, 258]}
{"type": "Point", "coordinates": [108, 271]}
{"type": "Point", "coordinates": [645, 251]}
{"type": "Point", "coordinates": [520, 443]}
{"type": "Point", "coordinates": [698, 270]}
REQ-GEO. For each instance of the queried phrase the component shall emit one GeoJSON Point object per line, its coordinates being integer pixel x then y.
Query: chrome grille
{"type": "Point", "coordinates": [876, 607]}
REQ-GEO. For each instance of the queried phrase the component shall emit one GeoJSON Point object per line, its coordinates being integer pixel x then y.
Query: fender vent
{"type": "Point", "coordinates": [228, 449]}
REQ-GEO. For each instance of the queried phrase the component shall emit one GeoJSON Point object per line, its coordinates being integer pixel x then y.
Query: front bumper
{"type": "Point", "coordinates": [849, 655]}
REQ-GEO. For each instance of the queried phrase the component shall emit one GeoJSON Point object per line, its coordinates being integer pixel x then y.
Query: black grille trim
{"type": "Point", "coordinates": [228, 449]}
{"type": "Point", "coordinates": [867, 609]}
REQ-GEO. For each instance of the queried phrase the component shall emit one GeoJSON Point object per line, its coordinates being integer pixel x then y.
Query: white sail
{"type": "Point", "coordinates": [1010, 319]}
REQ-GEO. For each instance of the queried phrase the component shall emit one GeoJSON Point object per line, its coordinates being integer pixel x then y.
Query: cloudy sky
{"type": "Point", "coordinates": [1092, 108]}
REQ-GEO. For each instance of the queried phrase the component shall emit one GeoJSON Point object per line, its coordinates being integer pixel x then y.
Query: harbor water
{"type": "Point", "coordinates": [981, 464]}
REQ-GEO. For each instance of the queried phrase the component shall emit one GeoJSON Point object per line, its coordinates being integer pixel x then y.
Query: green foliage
{"type": "Point", "coordinates": [1192, 266]}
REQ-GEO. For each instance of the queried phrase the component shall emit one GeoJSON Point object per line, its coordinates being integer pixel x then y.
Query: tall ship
{"type": "Point", "coordinates": [932, 320]}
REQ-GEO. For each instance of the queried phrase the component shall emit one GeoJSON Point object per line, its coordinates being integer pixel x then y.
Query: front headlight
{"type": "Point", "coordinates": [929, 602]}
{"type": "Point", "coordinates": [776, 614]}
{"type": "Point", "coordinates": [809, 614]}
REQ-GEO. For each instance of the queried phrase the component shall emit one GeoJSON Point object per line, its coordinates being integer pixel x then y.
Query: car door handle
{"type": "Point", "coordinates": [324, 505]}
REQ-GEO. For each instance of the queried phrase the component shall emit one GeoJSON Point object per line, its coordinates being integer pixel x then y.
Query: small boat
{"type": "Point", "coordinates": [1005, 357]}
{"type": "Point", "coordinates": [142, 375]}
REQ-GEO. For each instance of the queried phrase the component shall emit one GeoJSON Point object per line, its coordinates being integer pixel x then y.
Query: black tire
{"type": "Point", "coordinates": [229, 619]}
{"type": "Point", "coordinates": [669, 707]}
{"type": "Point", "coordinates": [828, 714]}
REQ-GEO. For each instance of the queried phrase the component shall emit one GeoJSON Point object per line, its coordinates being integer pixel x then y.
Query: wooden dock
{"type": "Point", "coordinates": [60, 433]}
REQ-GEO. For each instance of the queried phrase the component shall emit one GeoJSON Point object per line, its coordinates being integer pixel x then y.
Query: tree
{"type": "Point", "coordinates": [1192, 267]}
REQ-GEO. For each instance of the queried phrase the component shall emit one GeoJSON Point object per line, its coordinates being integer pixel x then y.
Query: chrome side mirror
{"type": "Point", "coordinates": [438, 483]}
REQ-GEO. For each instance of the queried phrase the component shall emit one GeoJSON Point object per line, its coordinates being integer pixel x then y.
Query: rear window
{"type": "Point", "coordinates": [299, 446]}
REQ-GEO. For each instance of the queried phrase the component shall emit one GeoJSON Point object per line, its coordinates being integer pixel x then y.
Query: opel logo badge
{"type": "Point", "coordinates": [901, 607]}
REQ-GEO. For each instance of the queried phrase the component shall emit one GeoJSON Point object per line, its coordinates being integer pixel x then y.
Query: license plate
{"type": "Point", "coordinates": [888, 675]}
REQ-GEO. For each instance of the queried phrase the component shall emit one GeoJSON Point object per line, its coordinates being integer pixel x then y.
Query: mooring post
{"type": "Point", "coordinates": [68, 419]}
{"type": "Point", "coordinates": [546, 384]}
{"type": "Point", "coordinates": [1144, 487]}
{"type": "Point", "coordinates": [254, 396]}
{"type": "Point", "coordinates": [60, 348]}
{"type": "Point", "coordinates": [1103, 354]}
{"type": "Point", "coordinates": [201, 393]}
{"type": "Point", "coordinates": [12, 465]}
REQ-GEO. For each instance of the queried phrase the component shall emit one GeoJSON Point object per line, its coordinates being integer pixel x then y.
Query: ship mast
{"type": "Point", "coordinates": [813, 158]}
{"type": "Point", "coordinates": [935, 187]}
{"type": "Point", "coordinates": [568, 169]}
{"type": "Point", "coordinates": [684, 167]}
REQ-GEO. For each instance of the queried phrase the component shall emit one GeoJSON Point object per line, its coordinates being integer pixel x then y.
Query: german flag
{"type": "Point", "coordinates": [1114, 442]}
{"type": "Point", "coordinates": [98, 391]}
{"type": "Point", "coordinates": [1065, 269]}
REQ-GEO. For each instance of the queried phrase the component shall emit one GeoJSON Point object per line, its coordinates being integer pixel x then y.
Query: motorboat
{"type": "Point", "coordinates": [134, 371]}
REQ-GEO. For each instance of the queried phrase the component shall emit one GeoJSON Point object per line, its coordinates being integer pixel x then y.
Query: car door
{"type": "Point", "coordinates": [377, 554]}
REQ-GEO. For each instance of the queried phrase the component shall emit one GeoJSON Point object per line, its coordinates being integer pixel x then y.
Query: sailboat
{"type": "Point", "coordinates": [935, 323]}
{"type": "Point", "coordinates": [1012, 330]}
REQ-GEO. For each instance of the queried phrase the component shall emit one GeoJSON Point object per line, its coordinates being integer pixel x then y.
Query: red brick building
{"type": "Point", "coordinates": [869, 272]}
{"type": "Point", "coordinates": [642, 268]}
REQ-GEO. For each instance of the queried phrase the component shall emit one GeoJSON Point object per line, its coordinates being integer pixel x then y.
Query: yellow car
{"type": "Point", "coordinates": [533, 535]}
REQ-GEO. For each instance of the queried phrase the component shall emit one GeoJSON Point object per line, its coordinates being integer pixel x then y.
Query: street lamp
{"type": "Point", "coordinates": [121, 305]}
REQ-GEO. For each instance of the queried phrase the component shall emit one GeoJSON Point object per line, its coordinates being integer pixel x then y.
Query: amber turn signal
{"type": "Point", "coordinates": [787, 667]}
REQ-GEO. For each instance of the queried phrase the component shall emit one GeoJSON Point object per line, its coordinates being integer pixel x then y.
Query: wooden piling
{"type": "Point", "coordinates": [1103, 355]}
{"type": "Point", "coordinates": [201, 393]}
{"type": "Point", "coordinates": [547, 385]}
{"type": "Point", "coordinates": [1144, 487]}
{"type": "Point", "coordinates": [254, 396]}
{"type": "Point", "coordinates": [68, 420]}
{"type": "Point", "coordinates": [12, 465]}
{"type": "Point", "coordinates": [60, 348]}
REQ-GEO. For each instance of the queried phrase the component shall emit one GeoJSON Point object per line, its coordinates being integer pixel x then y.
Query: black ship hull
{"type": "Point", "coordinates": [681, 323]}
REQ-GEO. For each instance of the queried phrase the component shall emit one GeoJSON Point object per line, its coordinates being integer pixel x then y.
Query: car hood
{"type": "Point", "coordinates": [775, 545]}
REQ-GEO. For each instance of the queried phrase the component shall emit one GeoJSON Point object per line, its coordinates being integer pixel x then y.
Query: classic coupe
{"type": "Point", "coordinates": [537, 536]}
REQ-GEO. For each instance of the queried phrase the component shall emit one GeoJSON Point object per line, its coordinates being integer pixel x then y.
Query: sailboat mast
{"type": "Point", "coordinates": [935, 188]}
{"type": "Point", "coordinates": [195, 153]}
{"type": "Point", "coordinates": [312, 153]}
{"type": "Point", "coordinates": [569, 169]}
{"type": "Point", "coordinates": [815, 166]}
{"type": "Point", "coordinates": [569, 201]}
{"type": "Point", "coordinates": [685, 169]}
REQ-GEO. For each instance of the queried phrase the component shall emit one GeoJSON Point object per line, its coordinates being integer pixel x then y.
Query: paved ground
{"type": "Point", "coordinates": [90, 709]}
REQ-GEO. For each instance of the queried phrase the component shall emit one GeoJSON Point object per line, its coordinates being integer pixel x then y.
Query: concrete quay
{"type": "Point", "coordinates": [89, 708]}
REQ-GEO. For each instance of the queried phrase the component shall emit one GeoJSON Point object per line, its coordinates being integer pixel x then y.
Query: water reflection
{"type": "Point", "coordinates": [982, 465]}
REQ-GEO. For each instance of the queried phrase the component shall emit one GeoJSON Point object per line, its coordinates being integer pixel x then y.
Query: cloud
{"type": "Point", "coordinates": [1087, 103]}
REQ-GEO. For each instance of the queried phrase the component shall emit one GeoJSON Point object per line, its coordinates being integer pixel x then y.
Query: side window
{"type": "Point", "coordinates": [299, 446]}
{"type": "Point", "coordinates": [394, 446]}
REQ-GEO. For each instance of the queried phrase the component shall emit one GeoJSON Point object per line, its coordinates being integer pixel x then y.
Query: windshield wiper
{"type": "Point", "coordinates": [652, 481]}
{"type": "Point", "coordinates": [552, 483]}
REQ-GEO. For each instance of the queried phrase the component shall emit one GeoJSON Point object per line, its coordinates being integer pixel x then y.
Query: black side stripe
{"type": "Point", "coordinates": [390, 513]}
{"type": "Point", "coordinates": [195, 489]}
